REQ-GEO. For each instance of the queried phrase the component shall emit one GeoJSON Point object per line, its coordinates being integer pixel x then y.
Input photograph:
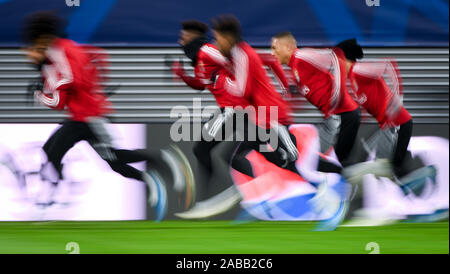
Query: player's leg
{"type": "Point", "coordinates": [232, 150]}
{"type": "Point", "coordinates": [224, 155]}
{"type": "Point", "coordinates": [171, 159]}
{"type": "Point", "coordinates": [152, 156]}
{"type": "Point", "coordinates": [328, 167]}
{"type": "Point", "coordinates": [307, 167]}
{"type": "Point", "coordinates": [202, 151]}
{"type": "Point", "coordinates": [65, 138]}
{"type": "Point", "coordinates": [222, 192]}
{"type": "Point", "coordinates": [278, 155]}
{"type": "Point", "coordinates": [57, 146]}
{"type": "Point", "coordinates": [99, 138]}
{"type": "Point", "coordinates": [240, 161]}
{"type": "Point", "coordinates": [348, 130]}
{"type": "Point", "coordinates": [328, 132]}
{"type": "Point", "coordinates": [381, 142]}
{"type": "Point", "coordinates": [168, 159]}
{"type": "Point", "coordinates": [281, 155]}
{"type": "Point", "coordinates": [403, 137]}
{"type": "Point", "coordinates": [409, 181]}
{"type": "Point", "coordinates": [353, 172]}
{"type": "Point", "coordinates": [103, 140]}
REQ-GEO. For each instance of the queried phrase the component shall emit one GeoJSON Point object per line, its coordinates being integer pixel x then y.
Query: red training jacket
{"type": "Point", "coordinates": [377, 86]}
{"type": "Point", "coordinates": [252, 84]}
{"type": "Point", "coordinates": [71, 82]}
{"type": "Point", "coordinates": [321, 77]}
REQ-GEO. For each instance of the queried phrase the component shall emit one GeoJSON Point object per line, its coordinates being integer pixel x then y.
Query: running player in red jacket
{"type": "Point", "coordinates": [321, 78]}
{"type": "Point", "coordinates": [209, 64]}
{"type": "Point", "coordinates": [71, 83]}
{"type": "Point", "coordinates": [250, 83]}
{"type": "Point", "coordinates": [206, 60]}
{"type": "Point", "coordinates": [377, 86]}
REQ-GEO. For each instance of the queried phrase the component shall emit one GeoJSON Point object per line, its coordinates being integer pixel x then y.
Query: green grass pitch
{"type": "Point", "coordinates": [216, 237]}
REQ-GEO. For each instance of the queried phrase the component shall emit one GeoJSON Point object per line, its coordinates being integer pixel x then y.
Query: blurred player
{"type": "Point", "coordinates": [321, 80]}
{"type": "Point", "coordinates": [377, 87]}
{"type": "Point", "coordinates": [70, 82]}
{"type": "Point", "coordinates": [251, 84]}
{"type": "Point", "coordinates": [208, 62]}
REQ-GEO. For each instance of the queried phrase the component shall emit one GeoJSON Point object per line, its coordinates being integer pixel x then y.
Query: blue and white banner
{"type": "Point", "coordinates": [313, 22]}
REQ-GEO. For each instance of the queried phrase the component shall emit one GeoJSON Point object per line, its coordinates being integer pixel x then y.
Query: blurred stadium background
{"type": "Point", "coordinates": [139, 34]}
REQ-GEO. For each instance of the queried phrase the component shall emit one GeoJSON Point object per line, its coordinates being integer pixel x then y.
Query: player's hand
{"type": "Point", "coordinates": [36, 96]}
{"type": "Point", "coordinates": [168, 60]}
{"type": "Point", "coordinates": [178, 67]}
{"type": "Point", "coordinates": [35, 85]}
{"type": "Point", "coordinates": [34, 89]}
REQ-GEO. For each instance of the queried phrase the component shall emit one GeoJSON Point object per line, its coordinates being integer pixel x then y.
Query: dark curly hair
{"type": "Point", "coordinates": [227, 24]}
{"type": "Point", "coordinates": [351, 49]}
{"type": "Point", "coordinates": [42, 23]}
{"type": "Point", "coordinates": [195, 25]}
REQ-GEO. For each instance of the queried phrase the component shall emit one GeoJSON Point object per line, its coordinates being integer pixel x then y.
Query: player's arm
{"type": "Point", "coordinates": [55, 100]}
{"type": "Point", "coordinates": [337, 69]}
{"type": "Point", "coordinates": [386, 72]}
{"type": "Point", "coordinates": [391, 75]}
{"type": "Point", "coordinates": [270, 61]}
{"type": "Point", "coordinates": [354, 91]}
{"type": "Point", "coordinates": [56, 93]}
{"type": "Point", "coordinates": [238, 86]}
{"type": "Point", "coordinates": [392, 78]}
{"type": "Point", "coordinates": [177, 68]}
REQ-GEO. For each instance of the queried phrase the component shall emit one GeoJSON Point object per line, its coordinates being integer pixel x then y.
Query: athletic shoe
{"type": "Point", "coordinates": [157, 194]}
{"type": "Point", "coordinates": [327, 198]}
{"type": "Point", "coordinates": [365, 217]}
{"type": "Point", "coordinates": [415, 181]}
{"type": "Point", "coordinates": [213, 206]}
{"type": "Point", "coordinates": [379, 167]}
{"type": "Point", "coordinates": [182, 173]}
{"type": "Point", "coordinates": [436, 216]}
{"type": "Point", "coordinates": [332, 223]}
{"type": "Point", "coordinates": [324, 198]}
